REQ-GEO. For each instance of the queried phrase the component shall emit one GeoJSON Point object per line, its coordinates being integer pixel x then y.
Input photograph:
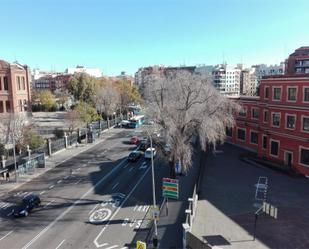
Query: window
{"type": "Point", "coordinates": [8, 106]}
{"type": "Point", "coordinates": [1, 107]}
{"type": "Point", "coordinates": [20, 105]}
{"type": "Point", "coordinates": [305, 123]}
{"type": "Point", "coordinates": [243, 112]}
{"type": "Point", "coordinates": [290, 121]}
{"type": "Point", "coordinates": [5, 83]}
{"type": "Point", "coordinates": [304, 156]}
{"type": "Point", "coordinates": [0, 83]}
{"type": "Point", "coordinates": [292, 93]}
{"type": "Point", "coordinates": [264, 142]}
{"type": "Point", "coordinates": [276, 119]}
{"type": "Point", "coordinates": [306, 94]}
{"type": "Point", "coordinates": [266, 92]}
{"type": "Point", "coordinates": [254, 137]}
{"type": "Point", "coordinates": [229, 131]}
{"type": "Point", "coordinates": [255, 113]}
{"type": "Point", "coordinates": [274, 148]}
{"type": "Point", "coordinates": [241, 134]}
{"type": "Point", "coordinates": [266, 116]}
{"type": "Point", "coordinates": [23, 83]}
{"type": "Point", "coordinates": [18, 83]}
{"type": "Point", "coordinates": [25, 105]}
{"type": "Point", "coordinates": [277, 93]}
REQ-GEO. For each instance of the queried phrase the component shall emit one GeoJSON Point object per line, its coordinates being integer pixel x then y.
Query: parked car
{"type": "Point", "coordinates": [148, 153]}
{"type": "Point", "coordinates": [27, 204]}
{"type": "Point", "coordinates": [135, 140]}
{"type": "Point", "coordinates": [134, 156]}
{"type": "Point", "coordinates": [144, 144]}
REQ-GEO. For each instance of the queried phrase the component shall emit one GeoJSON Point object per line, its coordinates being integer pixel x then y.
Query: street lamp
{"type": "Point", "coordinates": [155, 239]}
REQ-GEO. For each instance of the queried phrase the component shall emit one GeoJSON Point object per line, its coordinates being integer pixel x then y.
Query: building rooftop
{"type": "Point", "coordinates": [4, 64]}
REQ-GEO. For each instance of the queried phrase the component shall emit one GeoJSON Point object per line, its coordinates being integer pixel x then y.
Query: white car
{"type": "Point", "coordinates": [148, 153]}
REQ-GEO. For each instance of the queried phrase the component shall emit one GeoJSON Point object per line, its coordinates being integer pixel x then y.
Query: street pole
{"type": "Point", "coordinates": [155, 239]}
{"type": "Point", "coordinates": [15, 164]}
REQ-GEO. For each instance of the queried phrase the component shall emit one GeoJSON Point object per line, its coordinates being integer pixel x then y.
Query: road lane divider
{"type": "Point", "coordinates": [60, 244]}
{"type": "Point", "coordinates": [115, 185]}
{"type": "Point", "coordinates": [48, 204]}
{"type": "Point", "coordinates": [93, 209]}
{"type": "Point", "coordinates": [42, 192]}
{"type": "Point", "coordinates": [50, 187]}
{"type": "Point", "coordinates": [78, 181]}
{"type": "Point", "coordinates": [130, 169]}
{"type": "Point", "coordinates": [72, 206]}
{"type": "Point", "coordinates": [2, 238]}
{"type": "Point", "coordinates": [59, 181]}
{"type": "Point", "coordinates": [97, 244]}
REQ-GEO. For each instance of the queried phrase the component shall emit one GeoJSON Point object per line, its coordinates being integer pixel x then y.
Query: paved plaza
{"type": "Point", "coordinates": [227, 203]}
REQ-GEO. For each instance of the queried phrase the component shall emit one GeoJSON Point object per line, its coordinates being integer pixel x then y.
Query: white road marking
{"type": "Point", "coordinates": [59, 181]}
{"type": "Point", "coordinates": [6, 235]}
{"type": "Point", "coordinates": [115, 185]}
{"type": "Point", "coordinates": [117, 210]}
{"type": "Point", "coordinates": [78, 181]}
{"type": "Point", "coordinates": [131, 169]}
{"type": "Point", "coordinates": [66, 177]}
{"type": "Point", "coordinates": [9, 214]}
{"type": "Point", "coordinates": [48, 204]}
{"type": "Point", "coordinates": [60, 244]}
{"type": "Point", "coordinates": [111, 247]}
{"type": "Point", "coordinates": [50, 187]}
{"type": "Point", "coordinates": [93, 209]}
{"type": "Point", "coordinates": [71, 207]}
{"type": "Point", "coordinates": [124, 247]}
{"type": "Point", "coordinates": [42, 192]}
{"type": "Point", "coordinates": [126, 165]}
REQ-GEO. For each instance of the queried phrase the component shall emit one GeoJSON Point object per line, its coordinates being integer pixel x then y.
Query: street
{"type": "Point", "coordinates": [95, 200]}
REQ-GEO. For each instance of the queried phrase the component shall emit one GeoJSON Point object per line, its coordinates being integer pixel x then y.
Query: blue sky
{"type": "Point", "coordinates": [123, 35]}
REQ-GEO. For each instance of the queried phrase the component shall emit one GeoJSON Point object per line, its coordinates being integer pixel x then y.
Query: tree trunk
{"type": "Point", "coordinates": [172, 168]}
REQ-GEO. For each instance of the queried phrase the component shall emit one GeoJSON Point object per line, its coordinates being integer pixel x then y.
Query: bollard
{"type": "Point", "coordinates": [3, 161]}
{"type": "Point", "coordinates": [49, 147]}
{"type": "Point", "coordinates": [186, 229]}
{"type": "Point", "coordinates": [65, 140]}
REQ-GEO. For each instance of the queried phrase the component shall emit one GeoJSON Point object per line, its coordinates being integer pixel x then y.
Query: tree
{"type": "Point", "coordinates": [107, 99]}
{"type": "Point", "coordinates": [186, 105]}
{"type": "Point", "coordinates": [33, 139]}
{"type": "Point", "coordinates": [82, 87]}
{"type": "Point", "coordinates": [87, 113]}
{"type": "Point", "coordinates": [47, 99]}
{"type": "Point", "coordinates": [128, 94]}
{"type": "Point", "coordinates": [63, 97]}
{"type": "Point", "coordinates": [73, 120]}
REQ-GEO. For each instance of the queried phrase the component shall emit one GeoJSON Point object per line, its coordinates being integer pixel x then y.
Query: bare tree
{"type": "Point", "coordinates": [73, 120]}
{"type": "Point", "coordinates": [12, 128]}
{"type": "Point", "coordinates": [107, 99]}
{"type": "Point", "coordinates": [185, 106]}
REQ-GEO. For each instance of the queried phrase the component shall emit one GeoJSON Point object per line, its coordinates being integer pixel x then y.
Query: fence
{"type": "Point", "coordinates": [25, 165]}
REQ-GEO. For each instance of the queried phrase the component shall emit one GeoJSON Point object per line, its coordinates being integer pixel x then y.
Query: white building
{"type": "Point", "coordinates": [249, 82]}
{"type": "Point", "coordinates": [227, 79]}
{"type": "Point", "coordinates": [264, 70]}
{"type": "Point", "coordinates": [94, 72]}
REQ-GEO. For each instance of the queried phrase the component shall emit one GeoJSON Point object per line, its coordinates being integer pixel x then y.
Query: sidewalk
{"type": "Point", "coordinates": [51, 162]}
{"type": "Point", "coordinates": [226, 206]}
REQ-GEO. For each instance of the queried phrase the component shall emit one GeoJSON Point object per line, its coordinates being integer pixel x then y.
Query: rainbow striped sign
{"type": "Point", "coordinates": [170, 188]}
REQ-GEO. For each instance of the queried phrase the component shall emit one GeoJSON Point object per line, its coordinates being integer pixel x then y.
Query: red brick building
{"type": "Point", "coordinates": [52, 82]}
{"type": "Point", "coordinates": [15, 94]}
{"type": "Point", "coordinates": [276, 124]}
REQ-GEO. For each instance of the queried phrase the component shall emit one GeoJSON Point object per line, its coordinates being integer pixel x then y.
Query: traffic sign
{"type": "Point", "coordinates": [140, 245]}
{"type": "Point", "coordinates": [170, 188]}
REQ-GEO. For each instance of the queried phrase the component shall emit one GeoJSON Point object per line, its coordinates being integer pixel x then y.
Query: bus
{"type": "Point", "coordinates": [136, 121]}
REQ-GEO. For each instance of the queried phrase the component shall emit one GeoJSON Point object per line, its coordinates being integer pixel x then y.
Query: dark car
{"type": "Point", "coordinates": [134, 156]}
{"type": "Point", "coordinates": [144, 144]}
{"type": "Point", "coordinates": [27, 204]}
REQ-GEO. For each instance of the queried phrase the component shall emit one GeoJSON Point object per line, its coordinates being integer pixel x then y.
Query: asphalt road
{"type": "Point", "coordinates": [95, 200]}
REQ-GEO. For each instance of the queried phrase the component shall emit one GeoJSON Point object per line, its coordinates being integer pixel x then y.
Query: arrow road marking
{"type": "Point", "coordinates": [72, 206]}
{"type": "Point", "coordinates": [117, 210]}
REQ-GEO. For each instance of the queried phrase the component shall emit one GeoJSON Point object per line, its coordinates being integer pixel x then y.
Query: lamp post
{"type": "Point", "coordinates": [155, 239]}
